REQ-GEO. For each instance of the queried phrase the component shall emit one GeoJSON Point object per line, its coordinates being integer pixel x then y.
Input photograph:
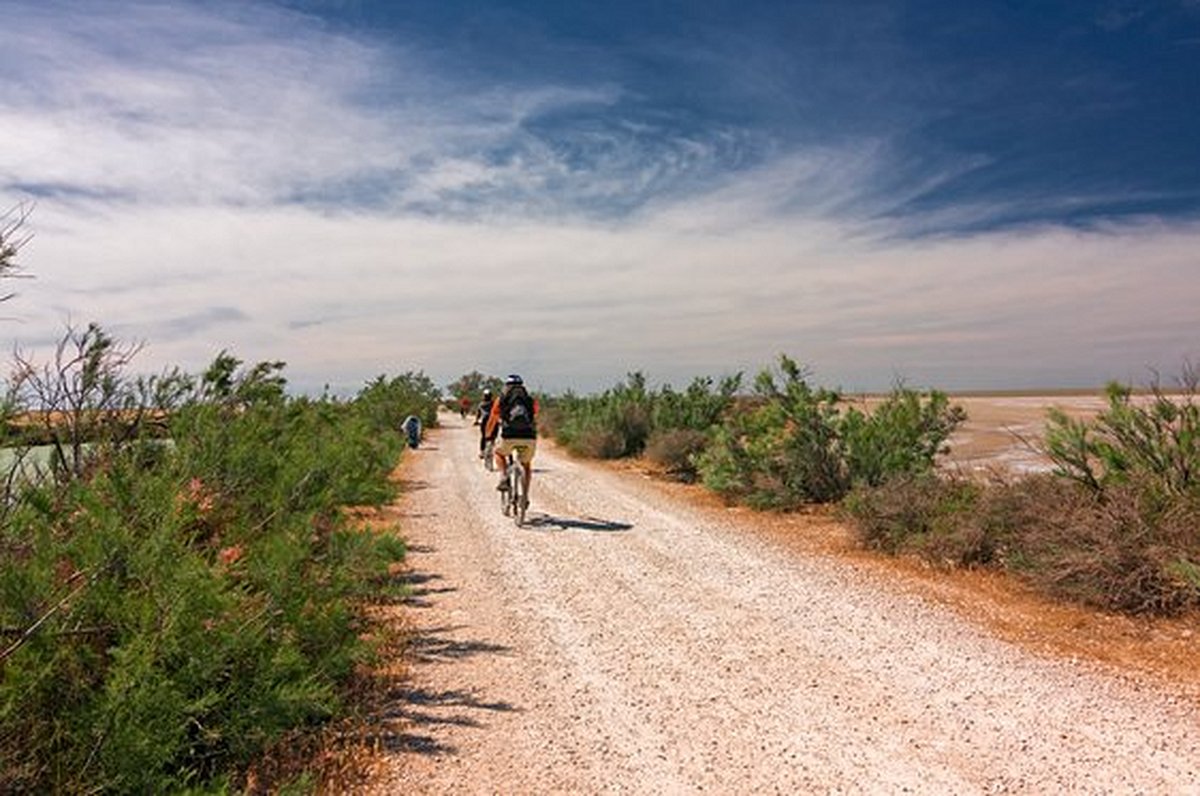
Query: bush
{"type": "Point", "coordinates": [621, 421]}
{"type": "Point", "coordinates": [386, 402]}
{"type": "Point", "coordinates": [924, 514]}
{"type": "Point", "coordinates": [1156, 445]}
{"type": "Point", "coordinates": [1126, 552]}
{"type": "Point", "coordinates": [901, 437]}
{"type": "Point", "coordinates": [171, 611]}
{"type": "Point", "coordinates": [1123, 552]}
{"type": "Point", "coordinates": [675, 450]}
{"type": "Point", "coordinates": [795, 445]}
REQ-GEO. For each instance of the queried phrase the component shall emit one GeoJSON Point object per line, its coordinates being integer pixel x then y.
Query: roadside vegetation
{"type": "Point", "coordinates": [1115, 526]}
{"type": "Point", "coordinates": [668, 426]}
{"type": "Point", "coordinates": [182, 587]}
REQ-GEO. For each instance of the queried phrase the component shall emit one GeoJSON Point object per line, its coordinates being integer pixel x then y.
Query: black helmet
{"type": "Point", "coordinates": [487, 393]}
{"type": "Point", "coordinates": [513, 380]}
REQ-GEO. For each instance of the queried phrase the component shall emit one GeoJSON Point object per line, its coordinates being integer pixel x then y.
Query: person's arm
{"type": "Point", "coordinates": [493, 418]}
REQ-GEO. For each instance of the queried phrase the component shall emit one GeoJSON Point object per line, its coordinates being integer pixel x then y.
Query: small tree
{"type": "Point", "coordinates": [471, 385]}
{"type": "Point", "coordinates": [81, 397]}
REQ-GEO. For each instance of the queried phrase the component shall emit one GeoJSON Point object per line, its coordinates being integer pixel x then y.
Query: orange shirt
{"type": "Point", "coordinates": [493, 418]}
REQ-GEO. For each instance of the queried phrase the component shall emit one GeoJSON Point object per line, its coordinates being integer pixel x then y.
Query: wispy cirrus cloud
{"type": "Point", "coordinates": [179, 104]}
{"type": "Point", "coordinates": [245, 177]}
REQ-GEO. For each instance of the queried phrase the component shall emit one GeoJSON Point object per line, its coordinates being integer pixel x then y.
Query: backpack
{"type": "Point", "coordinates": [516, 412]}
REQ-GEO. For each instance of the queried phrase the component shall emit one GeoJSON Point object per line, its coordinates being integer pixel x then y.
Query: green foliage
{"type": "Point", "coordinates": [796, 445]}
{"type": "Point", "coordinates": [620, 421]}
{"type": "Point", "coordinates": [1155, 443]}
{"type": "Point", "coordinates": [791, 443]}
{"type": "Point", "coordinates": [175, 609]}
{"type": "Point", "coordinates": [386, 402]}
{"type": "Point", "coordinates": [902, 436]}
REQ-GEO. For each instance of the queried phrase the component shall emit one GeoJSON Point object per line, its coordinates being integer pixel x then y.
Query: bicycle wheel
{"type": "Point", "coordinates": [506, 494]}
{"type": "Point", "coordinates": [517, 488]}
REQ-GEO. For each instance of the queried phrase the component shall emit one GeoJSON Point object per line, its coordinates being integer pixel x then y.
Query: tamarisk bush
{"type": "Point", "coordinates": [1116, 525]}
{"type": "Point", "coordinates": [173, 604]}
{"type": "Point", "coordinates": [798, 444]}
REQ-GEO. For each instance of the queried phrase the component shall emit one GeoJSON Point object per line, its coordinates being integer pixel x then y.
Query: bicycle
{"type": "Point", "coordinates": [489, 456]}
{"type": "Point", "coordinates": [514, 501]}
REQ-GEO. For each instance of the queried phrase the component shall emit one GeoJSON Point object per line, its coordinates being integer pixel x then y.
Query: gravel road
{"type": "Point", "coordinates": [626, 642]}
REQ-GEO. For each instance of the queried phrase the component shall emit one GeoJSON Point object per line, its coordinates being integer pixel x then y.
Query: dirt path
{"type": "Point", "coordinates": [627, 643]}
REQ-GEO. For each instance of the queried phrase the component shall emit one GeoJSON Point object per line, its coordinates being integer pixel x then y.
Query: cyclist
{"type": "Point", "coordinates": [481, 419]}
{"type": "Point", "coordinates": [514, 414]}
{"type": "Point", "coordinates": [411, 427]}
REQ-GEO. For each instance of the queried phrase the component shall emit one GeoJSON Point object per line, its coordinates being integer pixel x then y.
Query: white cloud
{"type": "Point", "coordinates": [183, 133]}
{"type": "Point", "coordinates": [342, 299]}
{"type": "Point", "coordinates": [177, 104]}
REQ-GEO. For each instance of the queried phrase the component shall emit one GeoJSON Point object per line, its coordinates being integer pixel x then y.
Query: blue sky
{"type": "Point", "coordinates": [966, 195]}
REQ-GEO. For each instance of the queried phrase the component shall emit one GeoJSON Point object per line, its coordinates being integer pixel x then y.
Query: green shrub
{"type": "Point", "coordinates": [795, 445]}
{"type": "Point", "coordinates": [621, 421]}
{"type": "Point", "coordinates": [174, 610]}
{"type": "Point", "coordinates": [1155, 445]}
{"type": "Point", "coordinates": [901, 437]}
{"type": "Point", "coordinates": [700, 407]}
{"type": "Point", "coordinates": [386, 402]}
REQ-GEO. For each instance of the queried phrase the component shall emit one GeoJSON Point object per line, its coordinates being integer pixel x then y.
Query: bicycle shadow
{"type": "Point", "coordinates": [591, 524]}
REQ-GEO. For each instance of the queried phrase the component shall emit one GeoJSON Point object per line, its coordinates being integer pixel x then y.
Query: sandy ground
{"type": "Point", "coordinates": [635, 639]}
{"type": "Point", "coordinates": [1006, 433]}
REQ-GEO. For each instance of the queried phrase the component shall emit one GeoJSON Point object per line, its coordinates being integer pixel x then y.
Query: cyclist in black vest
{"type": "Point", "coordinates": [482, 412]}
{"type": "Point", "coordinates": [514, 413]}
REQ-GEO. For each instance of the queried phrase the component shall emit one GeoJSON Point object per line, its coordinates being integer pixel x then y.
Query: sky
{"type": "Point", "coordinates": [985, 195]}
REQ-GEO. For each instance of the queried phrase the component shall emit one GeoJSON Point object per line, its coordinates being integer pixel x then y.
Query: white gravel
{"type": "Point", "coordinates": [628, 644]}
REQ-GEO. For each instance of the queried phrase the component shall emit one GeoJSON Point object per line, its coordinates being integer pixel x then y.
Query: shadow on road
{"type": "Point", "coordinates": [424, 709]}
{"type": "Point", "coordinates": [593, 524]}
{"type": "Point", "coordinates": [426, 698]}
{"type": "Point", "coordinates": [419, 590]}
{"type": "Point", "coordinates": [421, 711]}
{"type": "Point", "coordinates": [433, 644]}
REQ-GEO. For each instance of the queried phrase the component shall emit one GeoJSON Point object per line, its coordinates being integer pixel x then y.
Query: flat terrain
{"type": "Point", "coordinates": [1004, 433]}
{"type": "Point", "coordinates": [640, 637]}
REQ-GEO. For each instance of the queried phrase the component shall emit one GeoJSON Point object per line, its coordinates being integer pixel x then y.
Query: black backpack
{"type": "Point", "coordinates": [516, 411]}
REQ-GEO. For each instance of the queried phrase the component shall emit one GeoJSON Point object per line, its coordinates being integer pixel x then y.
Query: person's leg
{"type": "Point", "coordinates": [526, 453]}
{"type": "Point", "coordinates": [502, 450]}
